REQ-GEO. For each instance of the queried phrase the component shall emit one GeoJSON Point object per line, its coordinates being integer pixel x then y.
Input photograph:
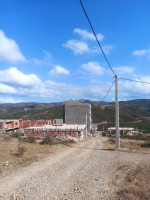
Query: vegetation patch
{"type": "Point", "coordinates": [48, 140]}
{"type": "Point", "coordinates": [28, 139]}
{"type": "Point", "coordinates": [137, 137]}
{"type": "Point", "coordinates": [20, 151]}
{"type": "Point", "coordinates": [136, 184]}
{"type": "Point", "coordinates": [16, 135]}
{"type": "Point", "coordinates": [146, 144]}
{"type": "Point", "coordinates": [52, 141]}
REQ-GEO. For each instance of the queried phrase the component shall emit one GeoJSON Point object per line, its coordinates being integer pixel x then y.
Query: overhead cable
{"type": "Point", "coordinates": [108, 91]}
{"type": "Point", "coordinates": [135, 80]}
{"type": "Point", "coordinates": [96, 38]}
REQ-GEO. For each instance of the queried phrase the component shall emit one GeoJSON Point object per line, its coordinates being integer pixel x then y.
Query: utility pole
{"type": "Point", "coordinates": [86, 127]}
{"type": "Point", "coordinates": [117, 114]}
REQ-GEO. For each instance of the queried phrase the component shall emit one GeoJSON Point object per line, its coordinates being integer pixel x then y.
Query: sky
{"type": "Point", "coordinates": [48, 52]}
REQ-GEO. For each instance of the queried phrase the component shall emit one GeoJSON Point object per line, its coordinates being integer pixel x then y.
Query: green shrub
{"type": "Point", "coordinates": [52, 141]}
{"type": "Point", "coordinates": [66, 142]}
{"type": "Point", "coordinates": [27, 139]}
{"type": "Point", "coordinates": [16, 135]}
{"type": "Point", "coordinates": [30, 139]}
{"type": "Point", "coordinates": [48, 140]}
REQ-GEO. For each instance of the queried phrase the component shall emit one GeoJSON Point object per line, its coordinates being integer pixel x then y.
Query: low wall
{"type": "Point", "coordinates": [41, 134]}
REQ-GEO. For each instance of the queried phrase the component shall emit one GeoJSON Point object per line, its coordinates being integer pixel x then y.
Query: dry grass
{"type": "Point", "coordinates": [126, 145]}
{"type": "Point", "coordinates": [132, 180]}
{"type": "Point", "coordinates": [16, 153]}
{"type": "Point", "coordinates": [136, 184]}
{"type": "Point", "coordinates": [20, 151]}
{"type": "Point", "coordinates": [108, 144]}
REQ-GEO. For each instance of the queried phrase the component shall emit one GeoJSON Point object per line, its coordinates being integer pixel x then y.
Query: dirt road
{"type": "Point", "coordinates": [83, 171]}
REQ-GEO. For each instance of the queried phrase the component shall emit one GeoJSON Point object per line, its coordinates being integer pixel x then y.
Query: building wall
{"type": "Point", "coordinates": [16, 124]}
{"type": "Point", "coordinates": [29, 123]}
{"type": "Point", "coordinates": [26, 124]}
{"type": "Point", "coordinates": [1, 125]}
{"type": "Point", "coordinates": [32, 133]}
{"type": "Point", "coordinates": [41, 134]}
{"type": "Point", "coordinates": [75, 113]}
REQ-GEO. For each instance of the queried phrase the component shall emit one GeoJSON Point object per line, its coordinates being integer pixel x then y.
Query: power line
{"type": "Point", "coordinates": [108, 91]}
{"type": "Point", "coordinates": [135, 80]}
{"type": "Point", "coordinates": [96, 37]}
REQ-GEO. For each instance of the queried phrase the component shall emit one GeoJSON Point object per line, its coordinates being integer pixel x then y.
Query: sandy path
{"type": "Point", "coordinates": [69, 174]}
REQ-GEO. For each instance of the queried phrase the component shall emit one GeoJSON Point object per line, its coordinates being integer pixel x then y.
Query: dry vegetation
{"type": "Point", "coordinates": [136, 184]}
{"type": "Point", "coordinates": [126, 144]}
{"type": "Point", "coordinates": [132, 181]}
{"type": "Point", "coordinates": [20, 152]}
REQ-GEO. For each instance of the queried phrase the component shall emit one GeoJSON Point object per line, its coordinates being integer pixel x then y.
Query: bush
{"type": "Point", "coordinates": [30, 139]}
{"type": "Point", "coordinates": [20, 151]}
{"type": "Point", "coordinates": [66, 142]}
{"type": "Point", "coordinates": [16, 135]}
{"type": "Point", "coordinates": [48, 140]}
{"type": "Point", "coordinates": [146, 144]}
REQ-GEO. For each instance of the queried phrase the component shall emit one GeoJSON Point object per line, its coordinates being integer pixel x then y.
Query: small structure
{"type": "Point", "coordinates": [94, 127]}
{"type": "Point", "coordinates": [124, 130]}
{"type": "Point", "coordinates": [58, 122]}
{"type": "Point", "coordinates": [65, 130]}
{"type": "Point", "coordinates": [12, 125]}
{"type": "Point", "coordinates": [9, 125]}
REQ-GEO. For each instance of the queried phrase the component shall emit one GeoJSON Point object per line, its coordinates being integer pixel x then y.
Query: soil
{"type": "Point", "coordinates": [91, 169]}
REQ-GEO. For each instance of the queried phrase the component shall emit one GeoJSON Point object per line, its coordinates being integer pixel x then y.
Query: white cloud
{"type": "Point", "coordinates": [5, 89]}
{"type": "Point", "coordinates": [9, 100]}
{"type": "Point", "coordinates": [18, 84]}
{"type": "Point", "coordinates": [87, 35]}
{"type": "Point", "coordinates": [123, 70]}
{"type": "Point", "coordinates": [133, 90]}
{"type": "Point", "coordinates": [45, 61]}
{"type": "Point", "coordinates": [78, 92]}
{"type": "Point", "coordinates": [13, 76]}
{"type": "Point", "coordinates": [53, 83]}
{"type": "Point", "coordinates": [58, 70]}
{"type": "Point", "coordinates": [78, 47]}
{"type": "Point", "coordinates": [141, 52]}
{"type": "Point", "coordinates": [9, 50]}
{"type": "Point", "coordinates": [93, 68]}
{"type": "Point", "coordinates": [106, 49]}
{"type": "Point", "coordinates": [36, 61]}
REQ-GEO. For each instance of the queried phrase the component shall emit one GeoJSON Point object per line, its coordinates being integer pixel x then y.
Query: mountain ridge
{"type": "Point", "coordinates": [133, 113]}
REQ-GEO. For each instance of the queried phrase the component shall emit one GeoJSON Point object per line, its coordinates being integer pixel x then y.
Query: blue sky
{"type": "Point", "coordinates": [48, 52]}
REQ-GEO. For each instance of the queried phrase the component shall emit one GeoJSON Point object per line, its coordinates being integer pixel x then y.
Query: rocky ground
{"type": "Point", "coordinates": [83, 171]}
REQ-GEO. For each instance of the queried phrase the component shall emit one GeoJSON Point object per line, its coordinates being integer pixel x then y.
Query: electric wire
{"type": "Point", "coordinates": [134, 80]}
{"type": "Point", "coordinates": [108, 91]}
{"type": "Point", "coordinates": [96, 37]}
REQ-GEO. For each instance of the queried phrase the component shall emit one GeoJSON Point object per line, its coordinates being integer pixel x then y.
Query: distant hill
{"type": "Point", "coordinates": [134, 113]}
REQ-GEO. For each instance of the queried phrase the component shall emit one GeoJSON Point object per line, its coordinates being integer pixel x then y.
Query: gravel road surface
{"type": "Point", "coordinates": [83, 171]}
